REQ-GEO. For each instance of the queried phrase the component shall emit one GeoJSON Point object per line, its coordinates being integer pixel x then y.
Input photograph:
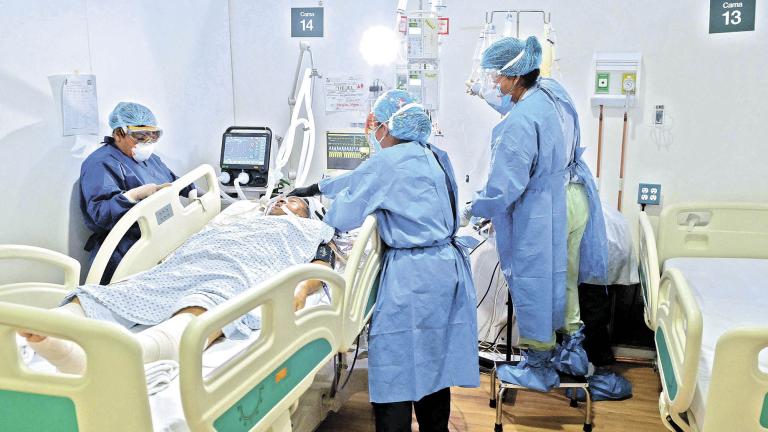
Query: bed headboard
{"type": "Point", "coordinates": [362, 281]}
{"type": "Point", "coordinates": [725, 230]}
{"type": "Point", "coordinates": [165, 224]}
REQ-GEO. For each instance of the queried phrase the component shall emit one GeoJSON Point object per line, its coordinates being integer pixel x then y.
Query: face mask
{"type": "Point", "coordinates": [497, 100]}
{"type": "Point", "coordinates": [142, 152]}
{"type": "Point", "coordinates": [374, 141]}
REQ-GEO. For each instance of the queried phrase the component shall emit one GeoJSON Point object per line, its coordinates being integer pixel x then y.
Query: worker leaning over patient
{"type": "Point", "coordinates": [423, 337]}
{"type": "Point", "coordinates": [119, 174]}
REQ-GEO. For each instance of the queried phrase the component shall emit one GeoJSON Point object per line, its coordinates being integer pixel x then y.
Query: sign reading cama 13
{"type": "Point", "coordinates": [731, 16]}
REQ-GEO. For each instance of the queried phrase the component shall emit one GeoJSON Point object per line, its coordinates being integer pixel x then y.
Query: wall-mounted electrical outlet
{"type": "Point", "coordinates": [658, 116]}
{"type": "Point", "coordinates": [649, 193]}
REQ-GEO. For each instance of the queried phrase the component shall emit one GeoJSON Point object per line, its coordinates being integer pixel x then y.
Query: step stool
{"type": "Point", "coordinates": [566, 381]}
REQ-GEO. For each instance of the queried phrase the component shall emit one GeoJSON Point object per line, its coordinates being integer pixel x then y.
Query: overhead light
{"type": "Point", "coordinates": [379, 45]}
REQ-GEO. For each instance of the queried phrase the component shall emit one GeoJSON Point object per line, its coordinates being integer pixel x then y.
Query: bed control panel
{"type": "Point", "coordinates": [164, 214]}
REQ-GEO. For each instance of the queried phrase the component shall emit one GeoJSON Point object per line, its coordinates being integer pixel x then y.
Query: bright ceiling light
{"type": "Point", "coordinates": [379, 45]}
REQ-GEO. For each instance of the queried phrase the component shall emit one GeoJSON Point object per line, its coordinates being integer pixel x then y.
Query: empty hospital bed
{"type": "Point", "coordinates": [705, 284]}
{"type": "Point", "coordinates": [256, 388]}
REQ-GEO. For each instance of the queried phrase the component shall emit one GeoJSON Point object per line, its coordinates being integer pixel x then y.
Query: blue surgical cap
{"type": "Point", "coordinates": [413, 124]}
{"type": "Point", "coordinates": [131, 114]}
{"type": "Point", "coordinates": [502, 51]}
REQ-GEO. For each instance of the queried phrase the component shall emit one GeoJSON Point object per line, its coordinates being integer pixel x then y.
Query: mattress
{"type": "Point", "coordinates": [731, 292]}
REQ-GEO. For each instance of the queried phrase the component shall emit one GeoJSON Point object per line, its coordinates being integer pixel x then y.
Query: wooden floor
{"type": "Point", "coordinates": [532, 411]}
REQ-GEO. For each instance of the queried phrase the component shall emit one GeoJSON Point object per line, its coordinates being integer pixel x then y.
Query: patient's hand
{"type": "Point", "coordinates": [31, 337]}
{"type": "Point", "coordinates": [304, 290]}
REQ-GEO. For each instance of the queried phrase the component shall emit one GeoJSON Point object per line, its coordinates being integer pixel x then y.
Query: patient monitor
{"type": "Point", "coordinates": [245, 153]}
{"type": "Point", "coordinates": [346, 149]}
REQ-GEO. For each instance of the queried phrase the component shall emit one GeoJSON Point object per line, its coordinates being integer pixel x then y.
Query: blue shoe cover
{"type": "Point", "coordinates": [535, 372]}
{"type": "Point", "coordinates": [570, 357]}
{"type": "Point", "coordinates": [603, 385]}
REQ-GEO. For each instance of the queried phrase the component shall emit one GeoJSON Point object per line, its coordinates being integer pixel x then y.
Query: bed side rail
{"type": "Point", "coordinates": [678, 343]}
{"type": "Point", "coordinates": [724, 230]}
{"type": "Point", "coordinates": [362, 276]}
{"type": "Point", "coordinates": [737, 398]}
{"type": "Point", "coordinates": [256, 388]}
{"type": "Point", "coordinates": [648, 269]}
{"type": "Point", "coordinates": [40, 294]}
{"type": "Point", "coordinates": [165, 224]}
{"type": "Point", "coordinates": [111, 395]}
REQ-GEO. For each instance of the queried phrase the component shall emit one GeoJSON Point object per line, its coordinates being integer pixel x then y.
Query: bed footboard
{"type": "Point", "coordinates": [110, 396]}
{"type": "Point", "coordinates": [678, 345]}
{"type": "Point", "coordinates": [255, 389]}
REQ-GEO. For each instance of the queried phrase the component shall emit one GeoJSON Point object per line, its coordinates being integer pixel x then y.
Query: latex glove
{"type": "Point", "coordinates": [308, 191]}
{"type": "Point", "coordinates": [139, 193]}
{"type": "Point", "coordinates": [466, 214]}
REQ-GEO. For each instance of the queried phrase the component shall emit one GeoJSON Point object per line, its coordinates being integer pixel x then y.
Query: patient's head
{"type": "Point", "coordinates": [295, 205]}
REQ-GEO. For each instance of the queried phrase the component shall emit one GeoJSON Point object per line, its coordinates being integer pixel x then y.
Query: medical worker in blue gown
{"type": "Point", "coordinates": [543, 202]}
{"type": "Point", "coordinates": [423, 336]}
{"type": "Point", "coordinates": [119, 174]}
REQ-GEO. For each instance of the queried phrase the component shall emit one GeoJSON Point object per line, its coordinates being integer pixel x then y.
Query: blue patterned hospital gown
{"type": "Point", "coordinates": [221, 261]}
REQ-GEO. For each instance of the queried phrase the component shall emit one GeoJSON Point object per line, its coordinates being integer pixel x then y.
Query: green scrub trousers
{"type": "Point", "coordinates": [578, 215]}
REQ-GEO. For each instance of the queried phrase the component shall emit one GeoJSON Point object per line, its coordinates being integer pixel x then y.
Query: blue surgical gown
{"type": "Point", "coordinates": [424, 327]}
{"type": "Point", "coordinates": [593, 251]}
{"type": "Point", "coordinates": [104, 176]}
{"type": "Point", "coordinates": [524, 196]}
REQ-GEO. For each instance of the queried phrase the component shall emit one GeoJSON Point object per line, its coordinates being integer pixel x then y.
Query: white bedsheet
{"type": "Point", "coordinates": [731, 293]}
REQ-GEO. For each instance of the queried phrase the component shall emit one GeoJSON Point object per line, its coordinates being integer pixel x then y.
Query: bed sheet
{"type": "Point", "coordinates": [731, 292]}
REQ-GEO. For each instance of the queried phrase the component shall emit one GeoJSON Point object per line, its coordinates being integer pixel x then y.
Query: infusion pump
{"type": "Point", "coordinates": [245, 153]}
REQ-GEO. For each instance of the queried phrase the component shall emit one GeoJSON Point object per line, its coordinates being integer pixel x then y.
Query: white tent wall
{"type": "Point", "coordinates": [176, 58]}
{"type": "Point", "coordinates": [171, 56]}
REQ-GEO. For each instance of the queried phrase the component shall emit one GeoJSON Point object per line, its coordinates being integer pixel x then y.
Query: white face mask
{"type": "Point", "coordinates": [142, 152]}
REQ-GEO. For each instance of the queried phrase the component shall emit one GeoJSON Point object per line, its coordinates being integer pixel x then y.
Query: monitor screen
{"type": "Point", "coordinates": [245, 150]}
{"type": "Point", "coordinates": [346, 150]}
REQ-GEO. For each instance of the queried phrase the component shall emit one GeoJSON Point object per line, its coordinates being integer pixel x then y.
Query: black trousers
{"type": "Point", "coordinates": [595, 305]}
{"type": "Point", "coordinates": [432, 413]}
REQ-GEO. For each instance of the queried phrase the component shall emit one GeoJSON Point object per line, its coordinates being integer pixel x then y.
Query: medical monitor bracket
{"type": "Point", "coordinates": [245, 149]}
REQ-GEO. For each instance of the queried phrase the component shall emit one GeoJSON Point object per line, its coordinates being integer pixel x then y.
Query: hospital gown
{"type": "Point", "coordinates": [214, 265]}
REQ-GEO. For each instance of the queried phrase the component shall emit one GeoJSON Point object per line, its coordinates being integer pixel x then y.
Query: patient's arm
{"type": "Point", "coordinates": [325, 256]}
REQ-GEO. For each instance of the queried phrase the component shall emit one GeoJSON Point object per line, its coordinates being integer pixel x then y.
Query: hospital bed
{"type": "Point", "coordinates": [256, 387]}
{"type": "Point", "coordinates": [705, 286]}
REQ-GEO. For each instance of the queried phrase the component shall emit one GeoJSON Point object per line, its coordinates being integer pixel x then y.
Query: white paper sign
{"type": "Point", "coordinates": [345, 93]}
{"type": "Point", "coordinates": [79, 108]}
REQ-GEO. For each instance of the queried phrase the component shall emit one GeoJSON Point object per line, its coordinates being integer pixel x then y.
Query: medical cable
{"type": "Point", "coordinates": [499, 285]}
{"type": "Point", "coordinates": [490, 282]}
{"type": "Point", "coordinates": [352, 367]}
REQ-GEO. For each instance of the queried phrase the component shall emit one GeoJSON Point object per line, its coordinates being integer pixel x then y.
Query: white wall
{"type": "Point", "coordinates": [173, 59]}
{"type": "Point", "coordinates": [714, 88]}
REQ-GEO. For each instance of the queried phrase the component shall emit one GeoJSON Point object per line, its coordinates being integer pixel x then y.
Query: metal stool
{"type": "Point", "coordinates": [566, 381]}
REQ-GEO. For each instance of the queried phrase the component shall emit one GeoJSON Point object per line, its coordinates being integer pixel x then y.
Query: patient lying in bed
{"type": "Point", "coordinates": [224, 259]}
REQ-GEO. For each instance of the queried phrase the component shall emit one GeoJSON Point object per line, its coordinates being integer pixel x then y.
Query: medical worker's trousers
{"type": "Point", "coordinates": [578, 215]}
{"type": "Point", "coordinates": [432, 413]}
